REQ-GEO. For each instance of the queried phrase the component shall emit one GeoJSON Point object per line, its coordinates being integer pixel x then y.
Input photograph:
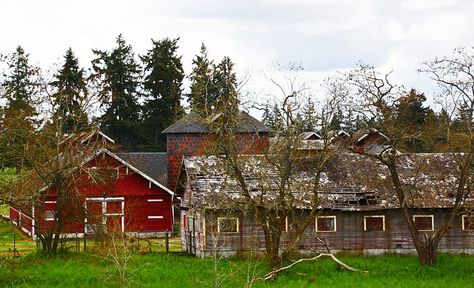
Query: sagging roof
{"type": "Point", "coordinates": [194, 123]}
{"type": "Point", "coordinates": [351, 182]}
{"type": "Point", "coordinates": [153, 164]}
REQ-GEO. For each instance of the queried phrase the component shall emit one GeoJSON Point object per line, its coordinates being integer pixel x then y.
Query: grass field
{"type": "Point", "coordinates": [8, 233]}
{"type": "Point", "coordinates": [177, 270]}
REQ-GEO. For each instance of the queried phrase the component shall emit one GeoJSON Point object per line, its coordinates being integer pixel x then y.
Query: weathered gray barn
{"type": "Point", "coordinates": [357, 209]}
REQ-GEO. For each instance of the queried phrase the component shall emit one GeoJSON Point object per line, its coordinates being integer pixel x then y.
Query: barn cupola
{"type": "Point", "coordinates": [190, 136]}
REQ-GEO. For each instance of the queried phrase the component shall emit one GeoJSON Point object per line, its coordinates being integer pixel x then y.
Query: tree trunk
{"type": "Point", "coordinates": [427, 248]}
{"type": "Point", "coordinates": [272, 245]}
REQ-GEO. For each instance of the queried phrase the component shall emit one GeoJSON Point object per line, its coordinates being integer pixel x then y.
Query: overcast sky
{"type": "Point", "coordinates": [322, 35]}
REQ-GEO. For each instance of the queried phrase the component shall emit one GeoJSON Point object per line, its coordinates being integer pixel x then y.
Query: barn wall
{"type": "Point", "coordinates": [147, 207]}
{"type": "Point", "coordinates": [349, 236]}
{"type": "Point", "coordinates": [194, 144]}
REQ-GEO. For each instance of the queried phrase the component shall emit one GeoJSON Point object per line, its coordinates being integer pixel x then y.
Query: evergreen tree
{"type": "Point", "coordinates": [118, 76]}
{"type": "Point", "coordinates": [162, 85]}
{"type": "Point", "coordinates": [19, 87]}
{"type": "Point", "coordinates": [410, 119]}
{"type": "Point", "coordinates": [336, 120]}
{"type": "Point", "coordinates": [309, 116]}
{"type": "Point", "coordinates": [71, 95]}
{"type": "Point", "coordinates": [200, 98]}
{"type": "Point", "coordinates": [224, 88]}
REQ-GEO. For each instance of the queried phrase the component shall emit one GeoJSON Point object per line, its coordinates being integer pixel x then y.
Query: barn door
{"type": "Point", "coordinates": [104, 214]}
{"type": "Point", "coordinates": [114, 216]}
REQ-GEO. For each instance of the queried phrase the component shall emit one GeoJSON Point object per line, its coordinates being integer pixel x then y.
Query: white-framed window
{"type": "Point", "coordinates": [227, 225]}
{"type": "Point", "coordinates": [467, 222]}
{"type": "Point", "coordinates": [325, 224]}
{"type": "Point", "coordinates": [49, 215]}
{"type": "Point", "coordinates": [284, 224]}
{"type": "Point", "coordinates": [424, 222]}
{"type": "Point", "coordinates": [374, 223]}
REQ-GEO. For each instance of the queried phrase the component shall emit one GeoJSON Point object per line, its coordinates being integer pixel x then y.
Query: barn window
{"type": "Point", "coordinates": [49, 215]}
{"type": "Point", "coordinates": [467, 223]}
{"type": "Point", "coordinates": [326, 224]}
{"type": "Point", "coordinates": [424, 222]}
{"type": "Point", "coordinates": [227, 225]}
{"type": "Point", "coordinates": [374, 223]}
{"type": "Point", "coordinates": [283, 224]}
{"type": "Point", "coordinates": [103, 173]}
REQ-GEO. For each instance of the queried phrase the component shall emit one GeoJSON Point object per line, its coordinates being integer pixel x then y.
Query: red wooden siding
{"type": "Point", "coordinates": [134, 189]}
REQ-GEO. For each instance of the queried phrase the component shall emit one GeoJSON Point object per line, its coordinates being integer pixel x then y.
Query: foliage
{"type": "Point", "coordinates": [162, 87]}
{"type": "Point", "coordinates": [201, 76]}
{"type": "Point", "coordinates": [20, 87]}
{"type": "Point", "coordinates": [70, 95]}
{"type": "Point", "coordinates": [117, 75]}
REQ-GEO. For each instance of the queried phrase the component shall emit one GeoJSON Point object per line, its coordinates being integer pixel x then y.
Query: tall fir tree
{"type": "Point", "coordinates": [71, 95]}
{"type": "Point", "coordinates": [309, 116]}
{"type": "Point", "coordinates": [20, 86]}
{"type": "Point", "coordinates": [410, 119]}
{"type": "Point", "coordinates": [201, 98]}
{"type": "Point", "coordinates": [117, 75]}
{"type": "Point", "coordinates": [162, 86]}
{"type": "Point", "coordinates": [224, 87]}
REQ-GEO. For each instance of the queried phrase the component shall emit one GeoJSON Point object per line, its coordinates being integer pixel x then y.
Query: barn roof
{"type": "Point", "coordinates": [153, 164]}
{"type": "Point", "coordinates": [309, 136]}
{"type": "Point", "coordinates": [351, 182]}
{"type": "Point", "coordinates": [194, 123]}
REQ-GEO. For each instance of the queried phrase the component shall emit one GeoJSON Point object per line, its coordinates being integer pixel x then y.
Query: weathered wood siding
{"type": "Point", "coordinates": [349, 235]}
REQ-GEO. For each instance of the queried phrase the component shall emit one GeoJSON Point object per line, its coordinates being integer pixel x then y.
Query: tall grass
{"type": "Point", "coordinates": [176, 270]}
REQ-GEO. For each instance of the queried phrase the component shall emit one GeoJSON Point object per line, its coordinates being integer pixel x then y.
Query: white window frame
{"type": "Point", "coordinates": [104, 201]}
{"type": "Point", "coordinates": [219, 219]}
{"type": "Point", "coordinates": [374, 216]}
{"type": "Point", "coordinates": [432, 221]}
{"type": "Point", "coordinates": [463, 222]}
{"type": "Point", "coordinates": [51, 218]}
{"type": "Point", "coordinates": [322, 217]}
{"type": "Point", "coordinates": [286, 224]}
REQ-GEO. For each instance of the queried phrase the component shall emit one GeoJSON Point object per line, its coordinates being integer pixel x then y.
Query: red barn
{"type": "Point", "coordinates": [131, 201]}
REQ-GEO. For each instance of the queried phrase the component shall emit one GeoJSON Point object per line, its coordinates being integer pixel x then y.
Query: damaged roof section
{"type": "Point", "coordinates": [350, 182]}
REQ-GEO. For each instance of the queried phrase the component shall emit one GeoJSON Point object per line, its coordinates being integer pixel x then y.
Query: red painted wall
{"type": "Point", "coordinates": [189, 144]}
{"type": "Point", "coordinates": [135, 190]}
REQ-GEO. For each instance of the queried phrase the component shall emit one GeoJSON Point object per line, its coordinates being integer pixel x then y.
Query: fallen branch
{"type": "Point", "coordinates": [272, 274]}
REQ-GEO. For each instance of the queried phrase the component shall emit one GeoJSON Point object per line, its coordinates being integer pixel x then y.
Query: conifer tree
{"type": "Point", "coordinates": [19, 121]}
{"type": "Point", "coordinates": [309, 116]}
{"type": "Point", "coordinates": [117, 74]}
{"type": "Point", "coordinates": [200, 98]}
{"type": "Point", "coordinates": [224, 88]}
{"type": "Point", "coordinates": [162, 86]}
{"type": "Point", "coordinates": [71, 94]}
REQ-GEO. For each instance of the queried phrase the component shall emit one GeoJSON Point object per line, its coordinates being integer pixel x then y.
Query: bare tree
{"type": "Point", "coordinates": [265, 183]}
{"type": "Point", "coordinates": [375, 98]}
{"type": "Point", "coordinates": [57, 171]}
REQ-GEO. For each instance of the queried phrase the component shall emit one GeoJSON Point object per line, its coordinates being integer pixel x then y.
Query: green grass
{"type": "Point", "coordinates": [177, 270]}
{"type": "Point", "coordinates": [4, 209]}
{"type": "Point", "coordinates": [8, 233]}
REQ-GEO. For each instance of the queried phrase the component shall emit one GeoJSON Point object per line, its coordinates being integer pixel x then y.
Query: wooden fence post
{"type": "Point", "coordinates": [167, 242]}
